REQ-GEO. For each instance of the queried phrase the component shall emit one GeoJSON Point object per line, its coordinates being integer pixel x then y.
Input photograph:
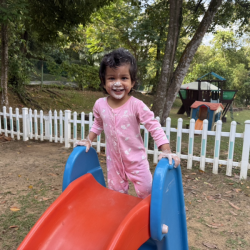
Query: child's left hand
{"type": "Point", "coordinates": [170, 156]}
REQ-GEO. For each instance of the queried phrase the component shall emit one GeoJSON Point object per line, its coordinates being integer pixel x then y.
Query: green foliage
{"type": "Point", "coordinates": [44, 30]}
{"type": "Point", "coordinates": [141, 29]}
{"type": "Point", "coordinates": [11, 10]}
{"type": "Point", "coordinates": [244, 95]}
{"type": "Point", "coordinates": [84, 75]}
{"type": "Point", "coordinates": [227, 58]}
{"type": "Point", "coordinates": [61, 31]}
{"type": "Point", "coordinates": [20, 66]}
{"type": "Point", "coordinates": [48, 18]}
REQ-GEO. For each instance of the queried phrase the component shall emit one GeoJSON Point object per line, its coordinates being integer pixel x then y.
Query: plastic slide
{"type": "Point", "coordinates": [198, 125]}
{"type": "Point", "coordinates": [89, 216]}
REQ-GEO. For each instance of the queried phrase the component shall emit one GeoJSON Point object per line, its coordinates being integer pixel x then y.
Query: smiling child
{"type": "Point", "coordinates": [120, 115]}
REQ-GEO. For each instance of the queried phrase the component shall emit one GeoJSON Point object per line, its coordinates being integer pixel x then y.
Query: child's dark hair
{"type": "Point", "coordinates": [115, 59]}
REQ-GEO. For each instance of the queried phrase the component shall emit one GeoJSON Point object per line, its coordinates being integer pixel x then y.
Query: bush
{"type": "Point", "coordinates": [84, 75]}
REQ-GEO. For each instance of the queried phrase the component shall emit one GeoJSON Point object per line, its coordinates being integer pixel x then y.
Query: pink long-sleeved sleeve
{"type": "Point", "coordinates": [97, 126]}
{"type": "Point", "coordinates": [146, 117]}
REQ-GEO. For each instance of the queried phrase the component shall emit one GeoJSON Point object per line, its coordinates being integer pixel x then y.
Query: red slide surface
{"type": "Point", "coordinates": [198, 125]}
{"type": "Point", "coordinates": [89, 216]}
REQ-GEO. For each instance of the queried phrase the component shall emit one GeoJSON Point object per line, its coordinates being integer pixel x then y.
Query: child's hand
{"type": "Point", "coordinates": [170, 156]}
{"type": "Point", "coordinates": [85, 142]}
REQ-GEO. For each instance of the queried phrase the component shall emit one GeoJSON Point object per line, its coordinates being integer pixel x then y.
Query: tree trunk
{"type": "Point", "coordinates": [175, 20]}
{"type": "Point", "coordinates": [4, 65]}
{"type": "Point", "coordinates": [157, 59]}
{"type": "Point", "coordinates": [186, 58]}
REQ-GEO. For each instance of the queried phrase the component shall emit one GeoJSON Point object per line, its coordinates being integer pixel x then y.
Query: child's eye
{"type": "Point", "coordinates": [124, 78]}
{"type": "Point", "coordinates": [111, 78]}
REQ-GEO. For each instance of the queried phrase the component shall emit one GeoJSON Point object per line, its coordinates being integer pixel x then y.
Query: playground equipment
{"type": "Point", "coordinates": [205, 91]}
{"type": "Point", "coordinates": [88, 216]}
{"type": "Point", "coordinates": [206, 110]}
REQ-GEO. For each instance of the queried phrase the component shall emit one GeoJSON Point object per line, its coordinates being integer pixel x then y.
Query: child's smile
{"type": "Point", "coordinates": [118, 82]}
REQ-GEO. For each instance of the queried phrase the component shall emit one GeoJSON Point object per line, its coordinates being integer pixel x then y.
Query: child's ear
{"type": "Point", "coordinates": [133, 84]}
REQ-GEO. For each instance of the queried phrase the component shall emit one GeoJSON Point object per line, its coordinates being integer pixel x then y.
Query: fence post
{"type": "Point", "coordinates": [41, 125]}
{"type": "Point", "coordinates": [5, 121]}
{"type": "Point", "coordinates": [90, 120]}
{"type": "Point", "coordinates": [168, 128]}
{"type": "Point", "coordinates": [11, 123]}
{"type": "Point", "coordinates": [35, 124]}
{"type": "Point", "coordinates": [25, 114]}
{"type": "Point", "coordinates": [74, 127]}
{"type": "Point", "coordinates": [190, 144]}
{"type": "Point", "coordinates": [82, 125]}
{"type": "Point", "coordinates": [30, 124]}
{"type": "Point", "coordinates": [217, 146]}
{"type": "Point", "coordinates": [61, 125]}
{"type": "Point", "coordinates": [179, 135]}
{"type": "Point", "coordinates": [245, 151]}
{"type": "Point", "coordinates": [231, 148]}
{"type": "Point", "coordinates": [55, 126]}
{"type": "Point", "coordinates": [155, 158]}
{"type": "Point", "coordinates": [17, 124]}
{"type": "Point", "coordinates": [204, 145]}
{"type": "Point", "coordinates": [98, 144]}
{"type": "Point", "coordinates": [67, 128]}
{"type": "Point", "coordinates": [50, 126]}
{"type": "Point", "coordinates": [146, 140]}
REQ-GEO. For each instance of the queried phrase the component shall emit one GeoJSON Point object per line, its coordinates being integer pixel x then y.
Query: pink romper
{"type": "Point", "coordinates": [126, 155]}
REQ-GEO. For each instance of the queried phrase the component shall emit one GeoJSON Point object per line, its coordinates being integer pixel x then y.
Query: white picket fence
{"type": "Point", "coordinates": [63, 129]}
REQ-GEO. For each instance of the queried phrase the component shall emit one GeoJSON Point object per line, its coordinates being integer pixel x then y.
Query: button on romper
{"type": "Point", "coordinates": [125, 152]}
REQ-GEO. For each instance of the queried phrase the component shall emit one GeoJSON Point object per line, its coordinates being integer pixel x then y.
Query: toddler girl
{"type": "Point", "coordinates": [120, 115]}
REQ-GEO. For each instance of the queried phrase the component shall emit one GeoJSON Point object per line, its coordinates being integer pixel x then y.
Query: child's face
{"type": "Point", "coordinates": [118, 81]}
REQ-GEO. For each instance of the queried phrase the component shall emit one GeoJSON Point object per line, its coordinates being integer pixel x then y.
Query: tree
{"type": "Point", "coordinates": [4, 60]}
{"type": "Point", "coordinates": [48, 19]}
{"type": "Point", "coordinates": [175, 21]}
{"type": "Point", "coordinates": [171, 80]}
{"type": "Point", "coordinates": [171, 76]}
{"type": "Point", "coordinates": [142, 29]}
{"type": "Point", "coordinates": [9, 11]}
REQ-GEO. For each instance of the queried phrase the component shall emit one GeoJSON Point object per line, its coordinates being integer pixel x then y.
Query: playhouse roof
{"type": "Point", "coordinates": [212, 106]}
{"type": "Point", "coordinates": [213, 74]}
{"type": "Point", "coordinates": [204, 86]}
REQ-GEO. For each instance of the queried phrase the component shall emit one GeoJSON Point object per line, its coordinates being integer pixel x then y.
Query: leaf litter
{"type": "Point", "coordinates": [210, 222]}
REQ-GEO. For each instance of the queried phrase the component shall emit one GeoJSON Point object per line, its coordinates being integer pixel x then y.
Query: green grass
{"type": "Point", "coordinates": [236, 243]}
{"type": "Point", "coordinates": [194, 248]}
{"type": "Point", "coordinates": [31, 208]}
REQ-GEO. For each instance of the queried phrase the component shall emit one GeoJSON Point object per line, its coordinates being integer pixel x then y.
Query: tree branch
{"type": "Point", "coordinates": [197, 6]}
{"type": "Point", "coordinates": [188, 55]}
{"type": "Point", "coordinates": [175, 21]}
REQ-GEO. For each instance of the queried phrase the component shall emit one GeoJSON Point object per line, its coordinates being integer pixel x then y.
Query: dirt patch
{"type": "Point", "coordinates": [218, 207]}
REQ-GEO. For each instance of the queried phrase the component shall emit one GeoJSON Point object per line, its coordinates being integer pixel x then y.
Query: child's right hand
{"type": "Point", "coordinates": [170, 156]}
{"type": "Point", "coordinates": [85, 142]}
